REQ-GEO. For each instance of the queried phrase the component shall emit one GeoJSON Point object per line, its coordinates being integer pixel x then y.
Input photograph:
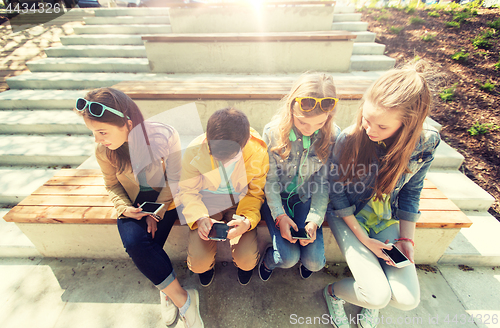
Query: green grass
{"type": "Point", "coordinates": [461, 17]}
{"type": "Point", "coordinates": [428, 37]}
{"type": "Point", "coordinates": [452, 24]}
{"type": "Point", "coordinates": [410, 10]}
{"type": "Point", "coordinates": [495, 24]}
{"type": "Point", "coordinates": [448, 94]}
{"type": "Point", "coordinates": [497, 65]}
{"type": "Point", "coordinates": [482, 41]}
{"type": "Point", "coordinates": [433, 14]}
{"type": "Point", "coordinates": [396, 29]}
{"type": "Point", "coordinates": [460, 56]}
{"type": "Point", "coordinates": [384, 17]}
{"type": "Point", "coordinates": [416, 20]}
{"type": "Point", "coordinates": [482, 128]}
{"type": "Point", "coordinates": [487, 86]}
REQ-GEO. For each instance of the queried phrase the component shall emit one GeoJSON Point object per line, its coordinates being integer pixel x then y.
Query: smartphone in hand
{"type": "Point", "coordinates": [301, 234]}
{"type": "Point", "coordinates": [399, 259]}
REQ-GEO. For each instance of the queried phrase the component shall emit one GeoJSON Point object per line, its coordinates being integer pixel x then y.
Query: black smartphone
{"type": "Point", "coordinates": [301, 234]}
{"type": "Point", "coordinates": [399, 259]}
{"type": "Point", "coordinates": [218, 232]}
{"type": "Point", "coordinates": [151, 208]}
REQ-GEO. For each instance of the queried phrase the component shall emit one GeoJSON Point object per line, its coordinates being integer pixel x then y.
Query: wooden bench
{"type": "Point", "coordinates": [62, 205]}
{"type": "Point", "coordinates": [250, 53]}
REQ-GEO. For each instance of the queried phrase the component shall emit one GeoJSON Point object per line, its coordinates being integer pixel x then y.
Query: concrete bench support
{"type": "Point", "coordinates": [252, 53]}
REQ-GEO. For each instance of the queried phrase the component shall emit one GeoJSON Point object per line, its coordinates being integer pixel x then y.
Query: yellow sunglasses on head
{"type": "Point", "coordinates": [307, 104]}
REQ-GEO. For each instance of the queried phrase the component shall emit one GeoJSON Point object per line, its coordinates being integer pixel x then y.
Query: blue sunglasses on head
{"type": "Point", "coordinates": [95, 109]}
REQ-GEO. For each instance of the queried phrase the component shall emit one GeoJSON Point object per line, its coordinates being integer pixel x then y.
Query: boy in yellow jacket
{"type": "Point", "coordinates": [223, 173]}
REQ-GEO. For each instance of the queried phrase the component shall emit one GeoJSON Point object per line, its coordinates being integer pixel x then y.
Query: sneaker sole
{"type": "Point", "coordinates": [262, 260]}
{"type": "Point", "coordinates": [326, 295]}
{"type": "Point", "coordinates": [247, 281]}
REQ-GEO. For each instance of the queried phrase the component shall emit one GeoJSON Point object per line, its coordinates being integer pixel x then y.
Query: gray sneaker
{"type": "Point", "coordinates": [368, 318]}
{"type": "Point", "coordinates": [338, 317]}
{"type": "Point", "coordinates": [168, 309]}
{"type": "Point", "coordinates": [192, 318]}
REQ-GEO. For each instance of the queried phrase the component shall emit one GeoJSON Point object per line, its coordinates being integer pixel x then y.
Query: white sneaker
{"type": "Point", "coordinates": [168, 309]}
{"type": "Point", "coordinates": [192, 318]}
{"type": "Point", "coordinates": [338, 317]}
{"type": "Point", "coordinates": [369, 318]}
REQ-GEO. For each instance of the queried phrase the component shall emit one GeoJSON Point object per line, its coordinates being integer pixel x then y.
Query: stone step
{"type": "Point", "coordinates": [366, 48]}
{"type": "Point", "coordinates": [467, 195]}
{"type": "Point", "coordinates": [41, 121]}
{"type": "Point", "coordinates": [446, 158]}
{"type": "Point", "coordinates": [352, 17]}
{"type": "Point", "coordinates": [45, 149]}
{"type": "Point", "coordinates": [107, 12]}
{"type": "Point", "coordinates": [434, 123]}
{"type": "Point", "coordinates": [350, 26]}
{"type": "Point", "coordinates": [371, 62]}
{"type": "Point", "coordinates": [103, 64]}
{"type": "Point", "coordinates": [39, 99]}
{"type": "Point", "coordinates": [69, 80]}
{"type": "Point", "coordinates": [363, 36]}
{"type": "Point", "coordinates": [18, 182]}
{"type": "Point", "coordinates": [344, 9]}
{"type": "Point", "coordinates": [97, 51]}
{"type": "Point", "coordinates": [101, 39]}
{"type": "Point", "coordinates": [477, 245]}
{"type": "Point", "coordinates": [13, 243]}
{"type": "Point", "coordinates": [82, 80]}
{"type": "Point", "coordinates": [127, 20]}
{"type": "Point", "coordinates": [123, 29]}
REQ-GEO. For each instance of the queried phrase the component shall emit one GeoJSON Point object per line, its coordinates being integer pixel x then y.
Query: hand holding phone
{"type": "Point", "coordinates": [218, 232]}
{"type": "Point", "coordinates": [300, 234]}
{"type": "Point", "coordinates": [397, 257]}
{"type": "Point", "coordinates": [151, 208]}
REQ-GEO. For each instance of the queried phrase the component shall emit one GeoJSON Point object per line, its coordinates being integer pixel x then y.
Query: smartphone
{"type": "Point", "coordinates": [399, 259]}
{"type": "Point", "coordinates": [218, 232]}
{"type": "Point", "coordinates": [301, 234]}
{"type": "Point", "coordinates": [151, 208]}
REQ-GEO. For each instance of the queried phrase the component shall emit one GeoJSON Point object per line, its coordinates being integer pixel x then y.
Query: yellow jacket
{"type": "Point", "coordinates": [123, 188]}
{"type": "Point", "coordinates": [200, 172]}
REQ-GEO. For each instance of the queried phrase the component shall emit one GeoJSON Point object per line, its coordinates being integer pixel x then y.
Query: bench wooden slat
{"type": "Point", "coordinates": [71, 190]}
{"type": "Point", "coordinates": [66, 200]}
{"type": "Point", "coordinates": [75, 181]}
{"type": "Point", "coordinates": [429, 185]}
{"type": "Point", "coordinates": [79, 173]}
{"type": "Point", "coordinates": [252, 37]}
{"type": "Point", "coordinates": [443, 219]}
{"type": "Point", "coordinates": [428, 193]}
{"type": "Point", "coordinates": [438, 204]}
{"type": "Point", "coordinates": [66, 214]}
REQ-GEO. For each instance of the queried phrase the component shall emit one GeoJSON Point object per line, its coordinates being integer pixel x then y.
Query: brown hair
{"type": "Point", "coordinates": [307, 85]}
{"type": "Point", "coordinates": [228, 131]}
{"type": "Point", "coordinates": [119, 101]}
{"type": "Point", "coordinates": [407, 92]}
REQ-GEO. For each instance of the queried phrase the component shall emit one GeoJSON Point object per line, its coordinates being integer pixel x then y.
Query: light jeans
{"type": "Point", "coordinates": [374, 284]}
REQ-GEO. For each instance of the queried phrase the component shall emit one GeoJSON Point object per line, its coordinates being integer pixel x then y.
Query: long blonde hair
{"type": "Point", "coordinates": [309, 84]}
{"type": "Point", "coordinates": [407, 92]}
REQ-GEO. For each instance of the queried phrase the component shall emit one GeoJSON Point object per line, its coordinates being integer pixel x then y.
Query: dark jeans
{"type": "Point", "coordinates": [147, 252]}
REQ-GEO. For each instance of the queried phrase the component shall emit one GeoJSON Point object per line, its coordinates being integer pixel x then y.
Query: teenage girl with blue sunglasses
{"type": "Point", "coordinates": [299, 138]}
{"type": "Point", "coordinates": [124, 139]}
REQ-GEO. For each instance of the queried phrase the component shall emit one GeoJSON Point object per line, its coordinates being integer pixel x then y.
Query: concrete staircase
{"type": "Point", "coordinates": [38, 131]}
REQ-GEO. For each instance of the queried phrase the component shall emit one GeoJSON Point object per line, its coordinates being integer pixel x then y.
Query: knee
{"type": "Point", "coordinates": [313, 266]}
{"type": "Point", "coordinates": [288, 259]}
{"type": "Point", "coordinates": [377, 297]}
{"type": "Point", "coordinates": [246, 259]}
{"type": "Point", "coordinates": [409, 302]}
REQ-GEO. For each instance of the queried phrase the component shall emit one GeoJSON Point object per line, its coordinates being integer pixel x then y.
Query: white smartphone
{"type": "Point", "coordinates": [151, 208]}
{"type": "Point", "coordinates": [399, 259]}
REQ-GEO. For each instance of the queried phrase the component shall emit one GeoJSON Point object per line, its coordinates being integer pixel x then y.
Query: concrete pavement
{"type": "Point", "coordinates": [82, 293]}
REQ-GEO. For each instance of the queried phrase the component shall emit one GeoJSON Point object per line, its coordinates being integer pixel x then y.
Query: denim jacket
{"type": "Point", "coordinates": [405, 198]}
{"type": "Point", "coordinates": [312, 178]}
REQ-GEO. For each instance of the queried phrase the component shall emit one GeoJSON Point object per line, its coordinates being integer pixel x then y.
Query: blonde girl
{"type": "Point", "coordinates": [299, 138]}
{"type": "Point", "coordinates": [140, 161]}
{"type": "Point", "coordinates": [377, 202]}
